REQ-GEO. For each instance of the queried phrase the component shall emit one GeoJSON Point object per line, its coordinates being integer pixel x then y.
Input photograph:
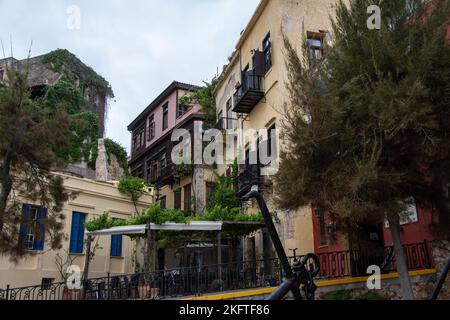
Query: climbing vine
{"type": "Point", "coordinates": [74, 71]}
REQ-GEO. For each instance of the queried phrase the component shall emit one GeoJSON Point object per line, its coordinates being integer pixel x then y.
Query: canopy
{"type": "Point", "coordinates": [169, 226]}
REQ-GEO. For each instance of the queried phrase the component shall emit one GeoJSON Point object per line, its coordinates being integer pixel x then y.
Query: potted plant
{"type": "Point", "coordinates": [143, 288]}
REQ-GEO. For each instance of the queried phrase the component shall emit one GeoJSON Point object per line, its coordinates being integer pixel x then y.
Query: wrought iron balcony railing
{"type": "Point", "coordinates": [249, 94]}
{"type": "Point", "coordinates": [198, 280]}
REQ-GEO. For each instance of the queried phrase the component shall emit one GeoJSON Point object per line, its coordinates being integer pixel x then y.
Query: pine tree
{"type": "Point", "coordinates": [29, 134]}
{"type": "Point", "coordinates": [368, 126]}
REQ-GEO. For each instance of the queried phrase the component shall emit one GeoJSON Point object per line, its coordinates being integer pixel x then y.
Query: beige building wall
{"type": "Point", "coordinates": [93, 199]}
{"type": "Point", "coordinates": [294, 19]}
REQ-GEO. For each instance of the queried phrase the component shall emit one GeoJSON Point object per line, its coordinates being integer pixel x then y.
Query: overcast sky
{"type": "Point", "coordinates": [139, 46]}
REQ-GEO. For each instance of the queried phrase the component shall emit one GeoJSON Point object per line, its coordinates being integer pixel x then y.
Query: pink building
{"type": "Point", "coordinates": [152, 130]}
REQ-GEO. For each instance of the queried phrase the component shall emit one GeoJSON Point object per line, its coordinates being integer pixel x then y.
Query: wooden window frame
{"type": "Point", "coordinates": [165, 117]}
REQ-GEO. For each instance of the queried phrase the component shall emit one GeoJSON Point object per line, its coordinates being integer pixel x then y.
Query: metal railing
{"type": "Point", "coordinates": [250, 82]}
{"type": "Point", "coordinates": [355, 263]}
{"type": "Point", "coordinates": [195, 281]}
{"type": "Point", "coordinates": [159, 285]}
{"type": "Point", "coordinates": [249, 176]}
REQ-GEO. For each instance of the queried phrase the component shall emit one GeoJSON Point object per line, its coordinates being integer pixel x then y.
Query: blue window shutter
{"type": "Point", "coordinates": [113, 246]}
{"type": "Point", "coordinates": [116, 246]}
{"type": "Point", "coordinates": [81, 233]}
{"type": "Point", "coordinates": [24, 227]}
{"type": "Point", "coordinates": [74, 232]}
{"type": "Point", "coordinates": [40, 238]}
{"type": "Point", "coordinates": [119, 245]}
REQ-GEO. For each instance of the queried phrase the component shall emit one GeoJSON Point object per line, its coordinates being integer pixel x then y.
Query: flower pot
{"type": "Point", "coordinates": [143, 291]}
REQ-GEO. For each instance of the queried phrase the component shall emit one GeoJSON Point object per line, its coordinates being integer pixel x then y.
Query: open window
{"type": "Point", "coordinates": [315, 43]}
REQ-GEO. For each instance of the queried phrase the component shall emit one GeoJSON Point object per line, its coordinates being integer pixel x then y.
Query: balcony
{"type": "Point", "coordinates": [249, 94]}
{"type": "Point", "coordinates": [167, 174]}
{"type": "Point", "coordinates": [247, 178]}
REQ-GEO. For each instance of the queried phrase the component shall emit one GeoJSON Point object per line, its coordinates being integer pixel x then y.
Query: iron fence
{"type": "Point", "coordinates": [182, 282]}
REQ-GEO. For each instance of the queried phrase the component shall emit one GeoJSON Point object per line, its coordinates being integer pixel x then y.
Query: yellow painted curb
{"type": "Point", "coordinates": [324, 283]}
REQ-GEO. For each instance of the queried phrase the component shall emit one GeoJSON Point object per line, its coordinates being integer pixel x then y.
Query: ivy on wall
{"type": "Point", "coordinates": [69, 92]}
{"type": "Point", "coordinates": [74, 71]}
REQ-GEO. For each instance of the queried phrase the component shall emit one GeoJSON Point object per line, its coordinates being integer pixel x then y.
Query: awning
{"type": "Point", "coordinates": [142, 229]}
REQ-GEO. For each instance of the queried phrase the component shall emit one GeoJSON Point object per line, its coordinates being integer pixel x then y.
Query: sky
{"type": "Point", "coordinates": [139, 46]}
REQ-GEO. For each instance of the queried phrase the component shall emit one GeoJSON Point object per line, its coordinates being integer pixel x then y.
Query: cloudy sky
{"type": "Point", "coordinates": [139, 46]}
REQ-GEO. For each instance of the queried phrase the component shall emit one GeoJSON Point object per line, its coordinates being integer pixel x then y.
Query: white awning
{"type": "Point", "coordinates": [142, 229]}
{"type": "Point", "coordinates": [127, 230]}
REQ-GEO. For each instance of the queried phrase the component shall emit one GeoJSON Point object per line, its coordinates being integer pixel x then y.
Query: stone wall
{"type": "Point", "coordinates": [441, 254]}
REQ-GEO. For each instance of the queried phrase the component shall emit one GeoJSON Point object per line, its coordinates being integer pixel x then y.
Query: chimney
{"type": "Point", "coordinates": [101, 164]}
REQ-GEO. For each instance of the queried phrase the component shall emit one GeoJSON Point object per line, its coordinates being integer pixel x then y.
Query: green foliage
{"type": "Point", "coordinates": [204, 97]}
{"type": "Point", "coordinates": [26, 163]}
{"type": "Point", "coordinates": [219, 213]}
{"type": "Point", "coordinates": [112, 148]}
{"type": "Point", "coordinates": [224, 194]}
{"type": "Point", "coordinates": [104, 222]}
{"type": "Point", "coordinates": [337, 295]}
{"type": "Point", "coordinates": [371, 295]}
{"type": "Point", "coordinates": [349, 295]}
{"type": "Point", "coordinates": [154, 214]}
{"type": "Point", "coordinates": [66, 95]}
{"type": "Point", "coordinates": [368, 126]}
{"type": "Point", "coordinates": [133, 187]}
{"type": "Point", "coordinates": [62, 61]}
{"type": "Point", "coordinates": [180, 171]}
{"type": "Point", "coordinates": [82, 138]}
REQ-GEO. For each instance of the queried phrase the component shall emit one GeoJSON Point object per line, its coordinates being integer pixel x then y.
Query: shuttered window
{"type": "Point", "coordinates": [116, 246]}
{"type": "Point", "coordinates": [32, 228]}
{"type": "Point", "coordinates": [77, 233]}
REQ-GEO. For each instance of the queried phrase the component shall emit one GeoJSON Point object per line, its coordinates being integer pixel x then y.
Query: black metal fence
{"type": "Point", "coordinates": [194, 281]}
{"type": "Point", "coordinates": [159, 285]}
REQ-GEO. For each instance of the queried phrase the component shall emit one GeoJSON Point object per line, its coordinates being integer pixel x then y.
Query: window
{"type": "Point", "coordinates": [187, 198]}
{"type": "Point", "coordinates": [155, 172]}
{"type": "Point", "coordinates": [210, 189]}
{"type": "Point", "coordinates": [177, 202]}
{"type": "Point", "coordinates": [182, 109]}
{"type": "Point", "coordinates": [267, 51]}
{"type": "Point", "coordinates": [151, 128]}
{"type": "Point", "coordinates": [149, 171]}
{"type": "Point", "coordinates": [139, 138]}
{"type": "Point", "coordinates": [32, 229]}
{"type": "Point", "coordinates": [77, 233]}
{"type": "Point", "coordinates": [2, 73]}
{"type": "Point", "coordinates": [163, 161]}
{"type": "Point", "coordinates": [315, 45]}
{"type": "Point", "coordinates": [163, 202]}
{"type": "Point", "coordinates": [165, 123]}
{"type": "Point", "coordinates": [116, 245]}
{"type": "Point", "coordinates": [271, 142]}
{"type": "Point", "coordinates": [229, 115]}
{"type": "Point", "coordinates": [323, 227]}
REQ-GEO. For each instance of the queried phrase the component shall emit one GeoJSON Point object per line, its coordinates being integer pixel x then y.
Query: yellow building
{"type": "Point", "coordinates": [252, 92]}
{"type": "Point", "coordinates": [114, 256]}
